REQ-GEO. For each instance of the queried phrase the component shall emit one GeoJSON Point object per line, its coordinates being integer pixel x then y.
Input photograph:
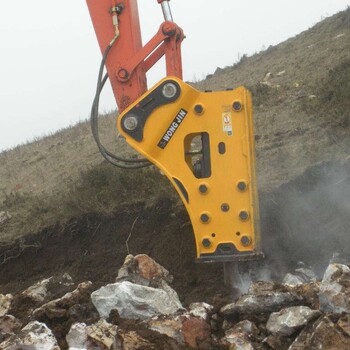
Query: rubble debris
{"type": "Point", "coordinates": [133, 341]}
{"type": "Point", "coordinates": [292, 280]}
{"type": "Point", "coordinates": [5, 303]}
{"type": "Point", "coordinates": [102, 334]}
{"type": "Point", "coordinates": [170, 326]}
{"type": "Point", "coordinates": [202, 310]}
{"type": "Point", "coordinates": [323, 334]}
{"type": "Point", "coordinates": [195, 330]}
{"type": "Point", "coordinates": [134, 301]}
{"type": "Point", "coordinates": [245, 327]}
{"type": "Point", "coordinates": [9, 325]}
{"type": "Point", "coordinates": [263, 298]}
{"type": "Point", "coordinates": [43, 290]}
{"type": "Point", "coordinates": [59, 308]}
{"type": "Point", "coordinates": [34, 336]}
{"type": "Point", "coordinates": [335, 289]}
{"type": "Point", "coordinates": [289, 320]}
{"type": "Point", "coordinates": [344, 324]}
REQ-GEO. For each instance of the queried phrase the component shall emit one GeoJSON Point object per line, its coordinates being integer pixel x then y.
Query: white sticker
{"type": "Point", "coordinates": [227, 122]}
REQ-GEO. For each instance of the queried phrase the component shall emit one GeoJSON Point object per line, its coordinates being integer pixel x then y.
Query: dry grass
{"type": "Point", "coordinates": [61, 176]}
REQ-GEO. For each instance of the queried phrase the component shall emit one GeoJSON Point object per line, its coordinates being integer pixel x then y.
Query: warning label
{"type": "Point", "coordinates": [227, 122]}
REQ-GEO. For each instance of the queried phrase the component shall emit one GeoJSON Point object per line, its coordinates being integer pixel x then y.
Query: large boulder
{"type": "Point", "coordinates": [34, 336]}
{"type": "Point", "coordinates": [289, 320]}
{"type": "Point", "coordinates": [135, 301]}
{"type": "Point", "coordinates": [335, 289]}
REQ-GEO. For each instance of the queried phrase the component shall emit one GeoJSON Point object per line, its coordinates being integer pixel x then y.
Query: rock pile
{"type": "Point", "coordinates": [141, 311]}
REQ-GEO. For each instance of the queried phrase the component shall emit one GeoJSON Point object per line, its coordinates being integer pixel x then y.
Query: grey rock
{"type": "Point", "coordinates": [245, 327]}
{"type": "Point", "coordinates": [34, 336]}
{"type": "Point", "coordinates": [335, 289]}
{"type": "Point", "coordinates": [134, 301]}
{"type": "Point", "coordinates": [289, 320]}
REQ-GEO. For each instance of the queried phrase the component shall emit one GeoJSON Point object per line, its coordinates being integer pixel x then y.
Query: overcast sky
{"type": "Point", "coordinates": [49, 54]}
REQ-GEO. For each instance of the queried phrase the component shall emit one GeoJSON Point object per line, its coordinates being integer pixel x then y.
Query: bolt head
{"type": "Point", "coordinates": [244, 215]}
{"type": "Point", "coordinates": [246, 241]}
{"type": "Point", "coordinates": [225, 207]}
{"type": "Point", "coordinates": [198, 109]}
{"type": "Point", "coordinates": [242, 186]}
{"type": "Point", "coordinates": [206, 243]}
{"type": "Point", "coordinates": [205, 218]}
{"type": "Point", "coordinates": [203, 188]}
{"type": "Point", "coordinates": [169, 90]}
{"type": "Point", "coordinates": [130, 123]}
{"type": "Point", "coordinates": [237, 106]}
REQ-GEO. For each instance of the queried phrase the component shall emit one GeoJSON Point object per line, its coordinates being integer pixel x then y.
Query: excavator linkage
{"type": "Point", "coordinates": [204, 143]}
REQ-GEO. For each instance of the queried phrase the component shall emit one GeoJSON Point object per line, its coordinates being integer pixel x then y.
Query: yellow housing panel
{"type": "Point", "coordinates": [204, 143]}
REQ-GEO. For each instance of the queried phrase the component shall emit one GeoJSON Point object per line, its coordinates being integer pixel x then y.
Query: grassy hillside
{"type": "Point", "coordinates": [302, 115]}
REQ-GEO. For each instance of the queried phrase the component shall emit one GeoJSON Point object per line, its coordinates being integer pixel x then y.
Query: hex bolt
{"type": "Point", "coordinates": [130, 123]}
{"type": "Point", "coordinates": [246, 241]}
{"type": "Point", "coordinates": [169, 90]}
{"type": "Point", "coordinates": [198, 109]}
{"type": "Point", "coordinates": [203, 188]}
{"type": "Point", "coordinates": [206, 243]}
{"type": "Point", "coordinates": [225, 207]}
{"type": "Point", "coordinates": [244, 215]}
{"type": "Point", "coordinates": [242, 186]}
{"type": "Point", "coordinates": [205, 218]}
{"type": "Point", "coordinates": [237, 106]}
{"type": "Point", "coordinates": [123, 74]}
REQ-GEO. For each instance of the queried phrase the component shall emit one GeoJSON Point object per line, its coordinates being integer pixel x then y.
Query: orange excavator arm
{"type": "Point", "coordinates": [128, 60]}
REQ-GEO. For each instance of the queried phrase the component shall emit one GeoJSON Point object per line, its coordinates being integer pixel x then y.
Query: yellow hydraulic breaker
{"type": "Point", "coordinates": [204, 143]}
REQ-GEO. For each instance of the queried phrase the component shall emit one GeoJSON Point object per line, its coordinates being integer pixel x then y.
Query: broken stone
{"type": "Point", "coordinates": [77, 336]}
{"type": "Point", "coordinates": [323, 334]}
{"type": "Point", "coordinates": [38, 291]}
{"type": "Point", "coordinates": [245, 327]}
{"type": "Point", "coordinates": [171, 327]}
{"type": "Point", "coordinates": [9, 325]}
{"type": "Point", "coordinates": [202, 310]}
{"type": "Point", "coordinates": [134, 301]}
{"type": "Point", "coordinates": [103, 335]}
{"type": "Point", "coordinates": [48, 288]}
{"type": "Point", "coordinates": [34, 336]}
{"type": "Point", "coordinates": [335, 289]}
{"type": "Point", "coordinates": [238, 342]}
{"type": "Point", "coordinates": [344, 324]}
{"type": "Point", "coordinates": [262, 298]}
{"type": "Point", "coordinates": [143, 270]}
{"type": "Point", "coordinates": [289, 320]}
{"type": "Point", "coordinates": [59, 308]}
{"type": "Point", "coordinates": [195, 330]}
{"type": "Point", "coordinates": [133, 341]}
{"type": "Point", "coordinates": [278, 342]}
{"type": "Point", "coordinates": [5, 303]}
{"type": "Point", "coordinates": [310, 293]}
{"type": "Point", "coordinates": [282, 72]}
